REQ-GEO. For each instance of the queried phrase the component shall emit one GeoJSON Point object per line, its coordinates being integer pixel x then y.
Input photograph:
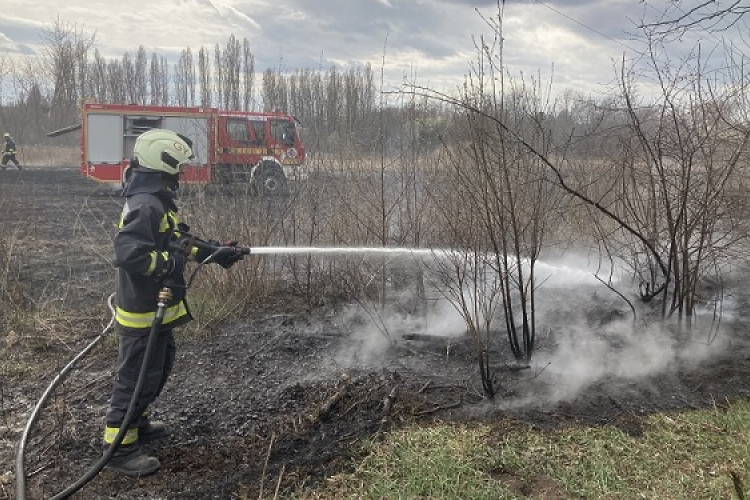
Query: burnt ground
{"type": "Point", "coordinates": [273, 396]}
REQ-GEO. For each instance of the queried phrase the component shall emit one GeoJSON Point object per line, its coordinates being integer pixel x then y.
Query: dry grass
{"type": "Point", "coordinates": [49, 156]}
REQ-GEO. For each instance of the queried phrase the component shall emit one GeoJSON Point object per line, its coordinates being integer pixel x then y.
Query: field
{"type": "Point", "coordinates": [284, 396]}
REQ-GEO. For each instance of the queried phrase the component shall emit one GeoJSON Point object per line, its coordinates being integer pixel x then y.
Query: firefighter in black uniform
{"type": "Point", "coordinates": [144, 262]}
{"type": "Point", "coordinates": [9, 152]}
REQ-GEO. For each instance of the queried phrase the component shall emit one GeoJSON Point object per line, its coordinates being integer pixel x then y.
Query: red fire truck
{"type": "Point", "coordinates": [262, 149]}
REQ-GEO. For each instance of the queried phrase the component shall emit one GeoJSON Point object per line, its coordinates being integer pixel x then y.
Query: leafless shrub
{"type": "Point", "coordinates": [675, 162]}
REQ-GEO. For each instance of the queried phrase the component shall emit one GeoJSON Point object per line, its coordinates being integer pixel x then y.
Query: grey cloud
{"type": "Point", "coordinates": [558, 4]}
{"type": "Point", "coordinates": [357, 30]}
{"type": "Point", "coordinates": [17, 48]}
{"type": "Point", "coordinates": [437, 34]}
{"type": "Point", "coordinates": [18, 37]}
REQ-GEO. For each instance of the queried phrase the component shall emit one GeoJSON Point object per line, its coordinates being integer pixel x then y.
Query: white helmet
{"type": "Point", "coordinates": [6, 135]}
{"type": "Point", "coordinates": [162, 150]}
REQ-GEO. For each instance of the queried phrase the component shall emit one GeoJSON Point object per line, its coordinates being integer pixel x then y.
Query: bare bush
{"type": "Point", "coordinates": [671, 167]}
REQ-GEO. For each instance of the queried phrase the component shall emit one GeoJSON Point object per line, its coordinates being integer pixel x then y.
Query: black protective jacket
{"type": "Point", "coordinates": [10, 146]}
{"type": "Point", "coordinates": [147, 224]}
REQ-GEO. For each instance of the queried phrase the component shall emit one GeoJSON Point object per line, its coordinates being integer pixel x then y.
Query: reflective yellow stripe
{"type": "Point", "coordinates": [134, 320]}
{"type": "Point", "coordinates": [145, 320]}
{"type": "Point", "coordinates": [110, 433]}
{"type": "Point", "coordinates": [152, 264]}
{"type": "Point", "coordinates": [154, 260]}
{"type": "Point", "coordinates": [123, 214]}
{"type": "Point", "coordinates": [169, 220]}
{"type": "Point", "coordinates": [164, 224]}
{"type": "Point", "coordinates": [175, 312]}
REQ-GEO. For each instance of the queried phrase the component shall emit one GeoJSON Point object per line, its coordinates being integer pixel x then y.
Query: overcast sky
{"type": "Point", "coordinates": [430, 41]}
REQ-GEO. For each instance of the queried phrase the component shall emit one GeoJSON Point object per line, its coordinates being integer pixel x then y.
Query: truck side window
{"type": "Point", "coordinates": [283, 131]}
{"type": "Point", "coordinates": [237, 130]}
{"type": "Point", "coordinates": [259, 128]}
{"type": "Point", "coordinates": [288, 136]}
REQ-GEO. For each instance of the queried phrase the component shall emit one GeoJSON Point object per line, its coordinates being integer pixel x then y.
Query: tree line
{"type": "Point", "coordinates": [45, 92]}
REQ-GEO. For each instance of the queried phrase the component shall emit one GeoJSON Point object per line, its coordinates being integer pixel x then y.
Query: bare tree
{"type": "Point", "coordinates": [220, 75]}
{"type": "Point", "coordinates": [26, 112]}
{"type": "Point", "coordinates": [140, 76]}
{"type": "Point", "coordinates": [66, 51]}
{"type": "Point", "coordinates": [686, 150]}
{"type": "Point", "coordinates": [334, 99]}
{"type": "Point", "coordinates": [98, 78]}
{"type": "Point", "coordinates": [129, 81]}
{"type": "Point", "coordinates": [155, 80]}
{"type": "Point", "coordinates": [4, 75]}
{"type": "Point", "coordinates": [116, 79]}
{"type": "Point", "coordinates": [204, 75]}
{"type": "Point", "coordinates": [231, 68]}
{"type": "Point", "coordinates": [248, 76]}
{"type": "Point", "coordinates": [708, 15]}
{"type": "Point", "coordinates": [270, 90]}
{"type": "Point", "coordinates": [164, 98]}
{"type": "Point", "coordinates": [184, 79]}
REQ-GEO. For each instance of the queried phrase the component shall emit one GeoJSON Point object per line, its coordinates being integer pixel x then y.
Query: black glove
{"type": "Point", "coordinates": [228, 255]}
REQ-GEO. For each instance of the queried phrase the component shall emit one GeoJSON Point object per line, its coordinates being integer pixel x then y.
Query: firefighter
{"type": "Point", "coordinates": [145, 264]}
{"type": "Point", "coordinates": [9, 152]}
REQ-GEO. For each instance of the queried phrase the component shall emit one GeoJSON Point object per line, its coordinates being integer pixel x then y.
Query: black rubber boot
{"type": "Point", "coordinates": [131, 461]}
{"type": "Point", "coordinates": [149, 431]}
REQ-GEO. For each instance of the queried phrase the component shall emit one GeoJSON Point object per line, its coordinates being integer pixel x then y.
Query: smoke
{"type": "Point", "coordinates": [583, 357]}
{"type": "Point", "coordinates": [589, 334]}
{"type": "Point", "coordinates": [586, 333]}
{"type": "Point", "coordinates": [373, 331]}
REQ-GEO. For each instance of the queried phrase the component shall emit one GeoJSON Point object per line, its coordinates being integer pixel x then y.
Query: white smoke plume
{"type": "Point", "coordinates": [373, 331]}
{"type": "Point", "coordinates": [592, 336]}
{"type": "Point", "coordinates": [586, 333]}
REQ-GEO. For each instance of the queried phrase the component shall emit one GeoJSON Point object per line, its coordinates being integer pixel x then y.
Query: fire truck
{"type": "Point", "coordinates": [261, 149]}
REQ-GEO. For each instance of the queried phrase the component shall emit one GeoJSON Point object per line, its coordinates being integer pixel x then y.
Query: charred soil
{"type": "Point", "coordinates": [265, 399]}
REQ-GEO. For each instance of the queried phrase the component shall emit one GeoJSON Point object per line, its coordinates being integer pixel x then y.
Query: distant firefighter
{"type": "Point", "coordinates": [9, 152]}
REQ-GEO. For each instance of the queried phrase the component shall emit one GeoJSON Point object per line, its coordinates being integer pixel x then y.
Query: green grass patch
{"type": "Point", "coordinates": [686, 455]}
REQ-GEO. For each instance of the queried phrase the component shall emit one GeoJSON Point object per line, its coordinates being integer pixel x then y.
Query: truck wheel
{"type": "Point", "coordinates": [269, 180]}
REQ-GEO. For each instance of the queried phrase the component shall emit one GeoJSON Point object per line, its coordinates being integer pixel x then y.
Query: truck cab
{"type": "Point", "coordinates": [264, 149]}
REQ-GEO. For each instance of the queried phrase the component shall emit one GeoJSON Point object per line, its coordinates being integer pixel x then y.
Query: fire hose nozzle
{"type": "Point", "coordinates": [184, 244]}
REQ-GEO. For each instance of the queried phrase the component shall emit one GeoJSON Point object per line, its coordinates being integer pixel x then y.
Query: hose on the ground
{"type": "Point", "coordinates": [129, 415]}
{"type": "Point", "coordinates": [102, 462]}
{"type": "Point", "coordinates": [20, 473]}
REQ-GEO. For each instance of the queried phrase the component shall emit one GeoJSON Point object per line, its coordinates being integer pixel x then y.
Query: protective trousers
{"type": "Point", "coordinates": [10, 157]}
{"type": "Point", "coordinates": [130, 359]}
